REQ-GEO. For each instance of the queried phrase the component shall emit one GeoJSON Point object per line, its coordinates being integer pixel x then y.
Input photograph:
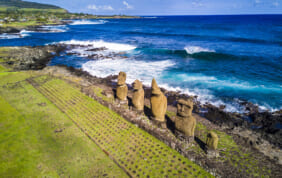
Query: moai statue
{"type": "Point", "coordinates": [138, 96]}
{"type": "Point", "coordinates": [158, 105]}
{"type": "Point", "coordinates": [211, 144]}
{"type": "Point", "coordinates": [185, 123]}
{"type": "Point", "coordinates": [122, 89]}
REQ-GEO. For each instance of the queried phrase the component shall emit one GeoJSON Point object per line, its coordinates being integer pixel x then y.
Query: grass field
{"type": "Point", "coordinates": [139, 153]}
{"type": "Point", "coordinates": [26, 24]}
{"type": "Point", "coordinates": [4, 9]}
{"type": "Point", "coordinates": [49, 128]}
{"type": "Point", "coordinates": [38, 140]}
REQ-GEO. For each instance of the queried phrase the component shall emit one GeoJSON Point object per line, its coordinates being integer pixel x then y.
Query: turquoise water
{"type": "Point", "coordinates": [221, 59]}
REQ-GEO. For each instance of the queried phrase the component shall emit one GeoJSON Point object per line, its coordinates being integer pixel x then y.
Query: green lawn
{"type": "Point", "coordinates": [4, 9]}
{"type": "Point", "coordinates": [138, 152]}
{"type": "Point", "coordinates": [50, 129]}
{"type": "Point", "coordinates": [38, 140]}
{"type": "Point", "coordinates": [28, 23]}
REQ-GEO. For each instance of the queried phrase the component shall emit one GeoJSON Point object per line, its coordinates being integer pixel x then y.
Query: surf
{"type": "Point", "coordinates": [88, 22]}
{"type": "Point", "coordinates": [113, 46]}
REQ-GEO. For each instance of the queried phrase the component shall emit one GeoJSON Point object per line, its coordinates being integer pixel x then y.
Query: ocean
{"type": "Point", "coordinates": [224, 60]}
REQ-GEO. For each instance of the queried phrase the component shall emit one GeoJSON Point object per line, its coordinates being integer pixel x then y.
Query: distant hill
{"type": "Point", "coordinates": [25, 4]}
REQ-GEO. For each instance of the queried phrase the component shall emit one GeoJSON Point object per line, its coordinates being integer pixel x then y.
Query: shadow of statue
{"type": "Point", "coordinates": [170, 124]}
{"type": "Point", "coordinates": [148, 112]}
{"type": "Point", "coordinates": [200, 143]}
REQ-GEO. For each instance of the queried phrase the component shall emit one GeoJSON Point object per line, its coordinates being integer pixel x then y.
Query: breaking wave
{"type": "Point", "coordinates": [145, 71]}
{"type": "Point", "coordinates": [142, 70]}
{"type": "Point", "coordinates": [100, 43]}
{"type": "Point", "coordinates": [197, 49]}
{"type": "Point", "coordinates": [53, 28]}
{"type": "Point", "coordinates": [22, 34]}
{"type": "Point", "coordinates": [88, 22]}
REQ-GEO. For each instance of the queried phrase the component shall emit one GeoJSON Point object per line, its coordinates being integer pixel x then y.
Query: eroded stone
{"type": "Point", "coordinates": [185, 123]}
{"type": "Point", "coordinates": [158, 103]}
{"type": "Point", "coordinates": [138, 96]}
{"type": "Point", "coordinates": [121, 92]}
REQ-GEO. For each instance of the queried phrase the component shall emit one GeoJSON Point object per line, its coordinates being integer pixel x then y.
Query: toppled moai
{"type": "Point", "coordinates": [158, 105]}
{"type": "Point", "coordinates": [185, 123]}
{"type": "Point", "coordinates": [138, 96]}
{"type": "Point", "coordinates": [121, 91]}
{"type": "Point", "coordinates": [211, 144]}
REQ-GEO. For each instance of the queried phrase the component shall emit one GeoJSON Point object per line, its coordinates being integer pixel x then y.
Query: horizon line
{"type": "Point", "coordinates": [177, 14]}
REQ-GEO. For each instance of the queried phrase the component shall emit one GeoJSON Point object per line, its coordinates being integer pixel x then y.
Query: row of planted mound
{"type": "Point", "coordinates": [136, 151]}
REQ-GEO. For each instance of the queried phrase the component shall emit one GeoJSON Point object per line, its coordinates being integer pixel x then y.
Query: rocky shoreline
{"type": "Point", "coordinates": [266, 125]}
{"type": "Point", "coordinates": [264, 151]}
{"type": "Point", "coordinates": [258, 131]}
{"type": "Point", "coordinates": [35, 28]}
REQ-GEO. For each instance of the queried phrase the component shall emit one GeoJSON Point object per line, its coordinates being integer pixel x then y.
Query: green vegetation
{"type": "Point", "coordinates": [98, 92]}
{"type": "Point", "coordinates": [11, 10]}
{"type": "Point", "coordinates": [3, 69]}
{"type": "Point", "coordinates": [139, 153]}
{"type": "Point", "coordinates": [232, 153]}
{"type": "Point", "coordinates": [21, 14]}
{"type": "Point", "coordinates": [25, 4]}
{"type": "Point", "coordinates": [28, 23]}
{"type": "Point", "coordinates": [39, 137]}
{"type": "Point", "coordinates": [38, 140]}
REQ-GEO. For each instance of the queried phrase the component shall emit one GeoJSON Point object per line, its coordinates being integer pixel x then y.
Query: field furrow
{"type": "Point", "coordinates": [136, 151]}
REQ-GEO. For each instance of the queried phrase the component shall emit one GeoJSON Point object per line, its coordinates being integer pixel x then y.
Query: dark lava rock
{"type": "Point", "coordinates": [97, 49]}
{"type": "Point", "coordinates": [221, 118]}
{"type": "Point", "coordinates": [29, 58]}
{"type": "Point", "coordinates": [268, 126]}
{"type": "Point", "coordinates": [9, 30]}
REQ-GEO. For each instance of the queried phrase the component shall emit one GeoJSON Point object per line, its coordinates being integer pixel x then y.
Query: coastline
{"type": "Point", "coordinates": [102, 90]}
{"type": "Point", "coordinates": [263, 124]}
{"type": "Point", "coordinates": [257, 131]}
{"type": "Point", "coordinates": [87, 95]}
{"type": "Point", "coordinates": [18, 27]}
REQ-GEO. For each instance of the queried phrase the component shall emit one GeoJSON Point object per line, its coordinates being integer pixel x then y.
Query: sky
{"type": "Point", "coordinates": [169, 7]}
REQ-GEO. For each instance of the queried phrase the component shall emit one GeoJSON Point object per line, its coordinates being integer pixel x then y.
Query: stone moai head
{"type": "Point", "coordinates": [155, 89]}
{"type": "Point", "coordinates": [121, 78]}
{"type": "Point", "coordinates": [212, 140]}
{"type": "Point", "coordinates": [137, 85]}
{"type": "Point", "coordinates": [138, 96]}
{"type": "Point", "coordinates": [184, 107]}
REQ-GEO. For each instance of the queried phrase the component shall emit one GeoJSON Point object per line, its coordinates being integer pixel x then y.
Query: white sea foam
{"type": "Point", "coordinates": [204, 96]}
{"type": "Point", "coordinates": [226, 83]}
{"type": "Point", "coordinates": [24, 33]}
{"type": "Point", "coordinates": [100, 43]}
{"type": "Point", "coordinates": [54, 28]}
{"type": "Point", "coordinates": [47, 29]}
{"type": "Point", "coordinates": [135, 69]}
{"type": "Point", "coordinates": [88, 22]}
{"type": "Point", "coordinates": [196, 49]}
{"type": "Point", "coordinates": [189, 78]}
{"type": "Point", "coordinates": [146, 70]}
{"type": "Point", "coordinates": [13, 35]}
